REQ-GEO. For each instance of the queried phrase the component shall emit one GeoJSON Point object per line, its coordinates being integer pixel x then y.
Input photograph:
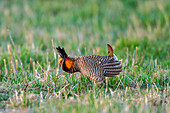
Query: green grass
{"type": "Point", "coordinates": [137, 30]}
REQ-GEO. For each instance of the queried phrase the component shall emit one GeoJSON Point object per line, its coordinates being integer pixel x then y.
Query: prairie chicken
{"type": "Point", "coordinates": [95, 67]}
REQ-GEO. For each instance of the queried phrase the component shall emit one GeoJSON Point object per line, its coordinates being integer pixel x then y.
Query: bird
{"type": "Point", "coordinates": [95, 67]}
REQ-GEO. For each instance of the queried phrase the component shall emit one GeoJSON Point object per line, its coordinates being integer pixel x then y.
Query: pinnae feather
{"type": "Point", "coordinates": [61, 52]}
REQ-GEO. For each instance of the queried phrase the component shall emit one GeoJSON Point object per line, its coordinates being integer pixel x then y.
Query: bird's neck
{"type": "Point", "coordinates": [74, 68]}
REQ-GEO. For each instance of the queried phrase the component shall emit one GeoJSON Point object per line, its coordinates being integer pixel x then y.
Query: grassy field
{"type": "Point", "coordinates": [139, 32]}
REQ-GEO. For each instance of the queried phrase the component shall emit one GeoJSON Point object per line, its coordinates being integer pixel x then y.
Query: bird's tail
{"type": "Point", "coordinates": [110, 50]}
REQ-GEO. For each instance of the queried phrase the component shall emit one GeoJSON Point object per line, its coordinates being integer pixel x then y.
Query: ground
{"type": "Point", "coordinates": [137, 30]}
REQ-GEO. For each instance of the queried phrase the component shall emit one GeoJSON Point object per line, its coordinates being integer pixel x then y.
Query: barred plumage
{"type": "Point", "coordinates": [95, 67]}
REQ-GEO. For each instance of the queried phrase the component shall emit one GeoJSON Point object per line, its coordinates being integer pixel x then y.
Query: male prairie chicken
{"type": "Point", "coordinates": [95, 67]}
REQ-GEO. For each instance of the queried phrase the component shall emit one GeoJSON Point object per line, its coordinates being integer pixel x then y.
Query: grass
{"type": "Point", "coordinates": [137, 30]}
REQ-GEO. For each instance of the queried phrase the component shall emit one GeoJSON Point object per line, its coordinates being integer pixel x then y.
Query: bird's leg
{"type": "Point", "coordinates": [88, 84]}
{"type": "Point", "coordinates": [98, 83]}
{"type": "Point", "coordinates": [94, 82]}
{"type": "Point", "coordinates": [107, 84]}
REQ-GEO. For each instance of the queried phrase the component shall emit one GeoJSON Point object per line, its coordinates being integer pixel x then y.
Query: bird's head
{"type": "Point", "coordinates": [65, 62]}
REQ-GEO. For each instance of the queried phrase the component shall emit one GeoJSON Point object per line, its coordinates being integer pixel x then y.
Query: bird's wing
{"type": "Point", "coordinates": [101, 66]}
{"type": "Point", "coordinates": [90, 68]}
{"type": "Point", "coordinates": [111, 66]}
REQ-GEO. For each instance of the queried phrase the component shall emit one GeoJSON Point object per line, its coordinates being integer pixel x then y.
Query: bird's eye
{"type": "Point", "coordinates": [59, 61]}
